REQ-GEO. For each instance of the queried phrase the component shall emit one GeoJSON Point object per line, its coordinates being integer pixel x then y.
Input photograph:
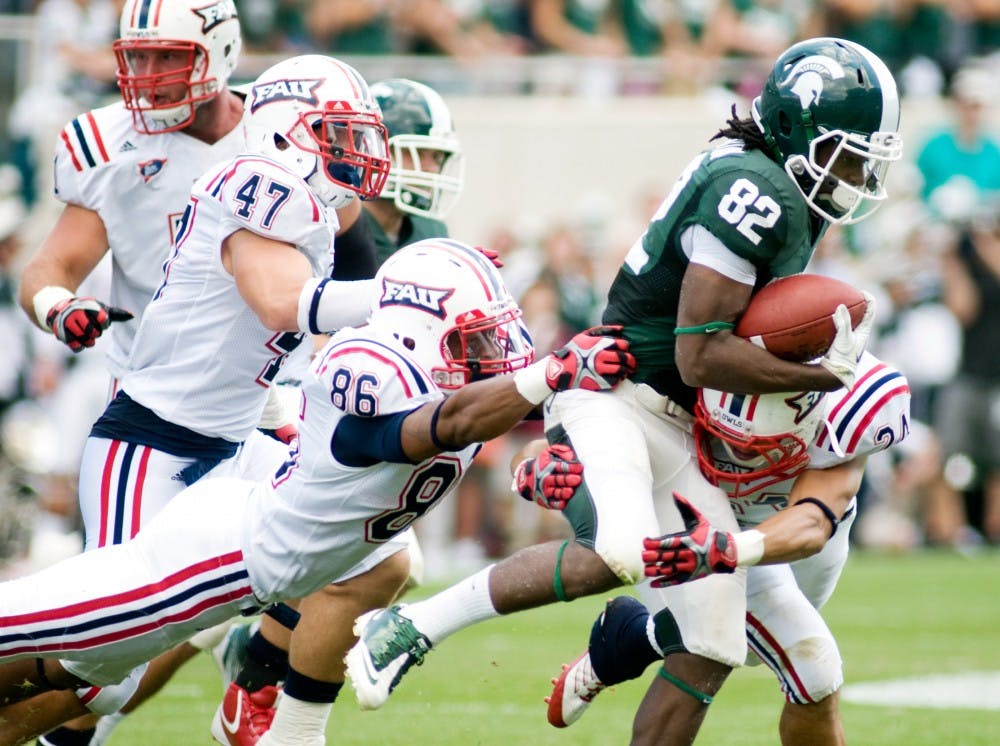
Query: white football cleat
{"type": "Point", "coordinates": [573, 691]}
{"type": "Point", "coordinates": [388, 646]}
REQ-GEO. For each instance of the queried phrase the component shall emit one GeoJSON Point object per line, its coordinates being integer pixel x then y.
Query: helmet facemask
{"type": "Point", "coordinates": [422, 188]}
{"type": "Point", "coordinates": [351, 150]}
{"type": "Point", "coordinates": [428, 167]}
{"type": "Point", "coordinates": [173, 60]}
{"type": "Point", "coordinates": [843, 176]}
{"type": "Point", "coordinates": [748, 443]}
{"type": "Point", "coordinates": [148, 96]}
{"type": "Point", "coordinates": [480, 347]}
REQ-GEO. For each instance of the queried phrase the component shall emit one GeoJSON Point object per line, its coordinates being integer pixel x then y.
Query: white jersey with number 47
{"type": "Point", "coordinates": [202, 358]}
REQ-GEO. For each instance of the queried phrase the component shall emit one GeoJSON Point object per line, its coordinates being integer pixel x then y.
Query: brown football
{"type": "Point", "coordinates": [792, 317]}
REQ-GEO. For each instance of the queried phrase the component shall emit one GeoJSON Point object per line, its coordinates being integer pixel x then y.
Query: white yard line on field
{"type": "Point", "coordinates": [977, 690]}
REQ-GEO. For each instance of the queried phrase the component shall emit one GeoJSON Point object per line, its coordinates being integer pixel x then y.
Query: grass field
{"type": "Point", "coordinates": [895, 616]}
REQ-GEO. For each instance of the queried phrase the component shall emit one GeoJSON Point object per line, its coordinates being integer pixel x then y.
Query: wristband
{"type": "Point", "coordinates": [749, 547]}
{"type": "Point", "coordinates": [45, 299]}
{"type": "Point", "coordinates": [711, 327]}
{"type": "Point", "coordinates": [531, 382]}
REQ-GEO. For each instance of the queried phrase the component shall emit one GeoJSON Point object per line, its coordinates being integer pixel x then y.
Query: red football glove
{"type": "Point", "coordinates": [492, 254]}
{"type": "Point", "coordinates": [551, 478]}
{"type": "Point", "coordinates": [694, 553]}
{"type": "Point", "coordinates": [595, 360]}
{"type": "Point", "coordinates": [80, 321]}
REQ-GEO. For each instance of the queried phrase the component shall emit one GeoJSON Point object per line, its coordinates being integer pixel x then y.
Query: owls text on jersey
{"type": "Point", "coordinates": [202, 358]}
{"type": "Point", "coordinates": [869, 417]}
{"type": "Point", "coordinates": [139, 185]}
{"type": "Point", "coordinates": [348, 474]}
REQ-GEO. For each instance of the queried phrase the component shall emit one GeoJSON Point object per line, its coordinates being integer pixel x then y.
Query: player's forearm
{"type": "Point", "coordinates": [473, 414]}
{"type": "Point", "coordinates": [803, 528]}
{"type": "Point", "coordinates": [793, 534]}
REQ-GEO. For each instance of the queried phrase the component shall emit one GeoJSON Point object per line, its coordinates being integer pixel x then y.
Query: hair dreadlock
{"type": "Point", "coordinates": [745, 130]}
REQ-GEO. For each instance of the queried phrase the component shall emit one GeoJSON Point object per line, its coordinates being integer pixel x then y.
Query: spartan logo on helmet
{"type": "Point", "coordinates": [808, 74]}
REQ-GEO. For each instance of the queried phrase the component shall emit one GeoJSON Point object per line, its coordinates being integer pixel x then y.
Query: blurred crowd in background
{"type": "Point", "coordinates": [932, 253]}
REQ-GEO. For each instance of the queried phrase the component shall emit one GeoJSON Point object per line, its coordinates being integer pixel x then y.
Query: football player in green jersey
{"type": "Point", "coordinates": [813, 153]}
{"type": "Point", "coordinates": [428, 167]}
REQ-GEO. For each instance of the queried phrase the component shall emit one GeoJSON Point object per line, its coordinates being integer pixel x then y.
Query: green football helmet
{"type": "Point", "coordinates": [829, 112]}
{"type": "Point", "coordinates": [419, 122]}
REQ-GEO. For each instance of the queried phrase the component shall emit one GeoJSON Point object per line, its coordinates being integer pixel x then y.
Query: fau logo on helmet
{"type": "Point", "coordinates": [216, 13]}
{"type": "Point", "coordinates": [420, 297]}
{"type": "Point", "coordinates": [285, 90]}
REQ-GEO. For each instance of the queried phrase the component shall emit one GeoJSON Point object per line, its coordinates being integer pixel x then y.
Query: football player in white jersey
{"type": "Point", "coordinates": [379, 444]}
{"type": "Point", "coordinates": [425, 179]}
{"type": "Point", "coordinates": [247, 278]}
{"type": "Point", "coordinates": [792, 486]}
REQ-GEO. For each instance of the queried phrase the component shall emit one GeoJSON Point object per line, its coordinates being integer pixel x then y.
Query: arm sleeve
{"type": "Point", "coordinates": [365, 441]}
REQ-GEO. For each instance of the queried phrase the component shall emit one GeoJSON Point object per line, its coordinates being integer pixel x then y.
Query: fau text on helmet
{"type": "Point", "coordinates": [420, 297]}
{"type": "Point", "coordinates": [285, 90]}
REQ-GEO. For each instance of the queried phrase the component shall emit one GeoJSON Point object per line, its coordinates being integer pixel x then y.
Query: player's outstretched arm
{"type": "Point", "coordinates": [816, 504]}
{"type": "Point", "coordinates": [596, 360]}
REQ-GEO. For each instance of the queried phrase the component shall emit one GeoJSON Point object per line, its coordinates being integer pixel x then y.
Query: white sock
{"type": "Point", "coordinates": [104, 727]}
{"type": "Point", "coordinates": [456, 607]}
{"type": "Point", "coordinates": [298, 723]}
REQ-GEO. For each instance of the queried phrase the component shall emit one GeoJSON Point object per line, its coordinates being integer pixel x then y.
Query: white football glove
{"type": "Point", "coordinates": [845, 351]}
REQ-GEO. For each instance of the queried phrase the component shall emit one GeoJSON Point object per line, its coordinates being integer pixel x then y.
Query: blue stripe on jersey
{"type": "Point", "coordinates": [867, 393]}
{"type": "Point", "coordinates": [144, 14]}
{"type": "Point", "coordinates": [418, 375]}
{"type": "Point", "coordinates": [143, 613]}
{"type": "Point", "coordinates": [84, 148]}
{"type": "Point", "coordinates": [126, 467]}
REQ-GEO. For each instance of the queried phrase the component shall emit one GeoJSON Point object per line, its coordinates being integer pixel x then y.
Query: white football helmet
{"type": "Point", "coordinates": [747, 442]}
{"type": "Point", "coordinates": [418, 121]}
{"type": "Point", "coordinates": [168, 43]}
{"type": "Point", "coordinates": [448, 305]}
{"type": "Point", "coordinates": [316, 116]}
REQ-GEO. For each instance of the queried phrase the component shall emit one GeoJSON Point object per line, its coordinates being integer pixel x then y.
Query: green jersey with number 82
{"type": "Point", "coordinates": [746, 201]}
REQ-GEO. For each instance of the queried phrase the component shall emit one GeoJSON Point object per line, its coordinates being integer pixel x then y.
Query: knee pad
{"type": "Point", "coordinates": [813, 672]}
{"type": "Point", "coordinates": [619, 647]}
{"type": "Point", "coordinates": [107, 700]}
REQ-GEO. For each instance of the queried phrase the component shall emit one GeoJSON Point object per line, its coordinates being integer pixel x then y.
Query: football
{"type": "Point", "coordinates": [791, 317]}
